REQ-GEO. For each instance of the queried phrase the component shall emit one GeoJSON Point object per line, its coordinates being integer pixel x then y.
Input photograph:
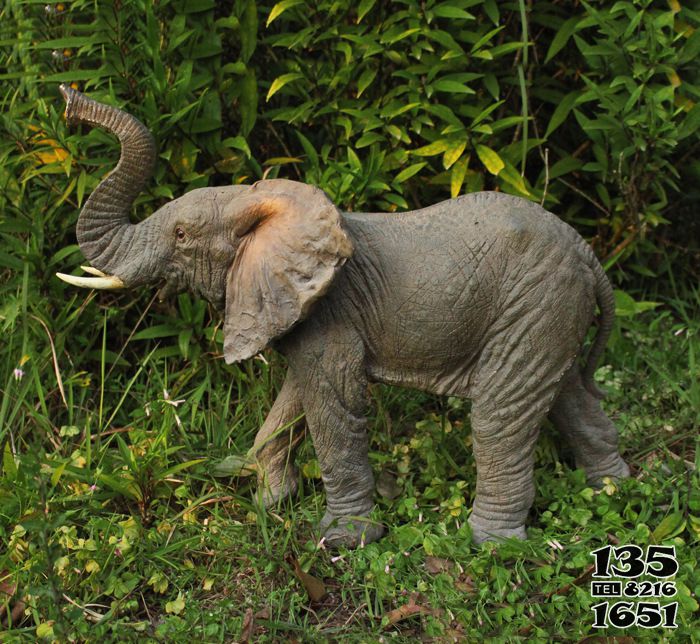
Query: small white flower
{"type": "Point", "coordinates": [18, 374]}
{"type": "Point", "coordinates": [321, 545]}
{"type": "Point", "coordinates": [174, 403]}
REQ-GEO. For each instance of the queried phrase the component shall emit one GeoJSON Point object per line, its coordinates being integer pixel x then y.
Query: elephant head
{"type": "Point", "coordinates": [262, 254]}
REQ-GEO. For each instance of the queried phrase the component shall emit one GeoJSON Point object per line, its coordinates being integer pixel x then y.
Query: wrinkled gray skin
{"type": "Point", "coordinates": [486, 296]}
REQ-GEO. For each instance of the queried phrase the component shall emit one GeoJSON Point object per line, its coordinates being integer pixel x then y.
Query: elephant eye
{"type": "Point", "coordinates": [180, 233]}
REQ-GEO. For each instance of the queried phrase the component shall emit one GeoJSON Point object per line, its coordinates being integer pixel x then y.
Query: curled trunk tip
{"type": "Point", "coordinates": [104, 231]}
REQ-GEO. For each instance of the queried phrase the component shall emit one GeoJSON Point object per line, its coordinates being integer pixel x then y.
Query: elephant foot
{"type": "Point", "coordinates": [484, 531]}
{"type": "Point", "coordinates": [613, 467]}
{"type": "Point", "coordinates": [349, 531]}
{"type": "Point", "coordinates": [273, 489]}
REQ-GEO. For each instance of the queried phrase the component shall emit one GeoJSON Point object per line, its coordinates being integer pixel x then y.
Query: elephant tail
{"type": "Point", "coordinates": [605, 299]}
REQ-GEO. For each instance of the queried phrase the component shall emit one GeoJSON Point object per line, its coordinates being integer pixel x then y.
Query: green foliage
{"type": "Point", "coordinates": [639, 105]}
{"type": "Point", "coordinates": [113, 527]}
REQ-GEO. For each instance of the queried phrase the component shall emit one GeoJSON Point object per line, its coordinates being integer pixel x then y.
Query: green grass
{"type": "Point", "coordinates": [115, 529]}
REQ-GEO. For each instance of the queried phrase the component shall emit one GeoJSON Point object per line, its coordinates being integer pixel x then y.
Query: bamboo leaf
{"type": "Point", "coordinates": [492, 162]}
{"type": "Point", "coordinates": [436, 147]}
{"type": "Point", "coordinates": [513, 178]}
{"type": "Point", "coordinates": [249, 102]}
{"type": "Point", "coordinates": [561, 112]}
{"type": "Point", "coordinates": [249, 30]}
{"type": "Point", "coordinates": [280, 8]}
{"type": "Point", "coordinates": [453, 87]}
{"type": "Point", "coordinates": [364, 8]}
{"type": "Point", "coordinates": [453, 153]}
{"type": "Point", "coordinates": [280, 82]}
{"type": "Point", "coordinates": [459, 171]}
{"type": "Point", "coordinates": [407, 173]}
{"type": "Point", "coordinates": [445, 10]}
{"type": "Point", "coordinates": [365, 80]}
{"type": "Point", "coordinates": [562, 37]}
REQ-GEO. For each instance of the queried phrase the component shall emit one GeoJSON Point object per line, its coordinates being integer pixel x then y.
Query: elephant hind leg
{"type": "Point", "coordinates": [513, 393]}
{"type": "Point", "coordinates": [579, 417]}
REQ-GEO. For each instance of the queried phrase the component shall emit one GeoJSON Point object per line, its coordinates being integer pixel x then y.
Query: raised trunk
{"type": "Point", "coordinates": [104, 232]}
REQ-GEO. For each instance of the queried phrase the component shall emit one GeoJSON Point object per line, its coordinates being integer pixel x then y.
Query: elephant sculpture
{"type": "Point", "coordinates": [486, 296]}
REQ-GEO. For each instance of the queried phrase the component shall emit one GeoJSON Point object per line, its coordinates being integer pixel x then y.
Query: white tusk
{"type": "Point", "coordinates": [109, 282]}
{"type": "Point", "coordinates": [94, 271]}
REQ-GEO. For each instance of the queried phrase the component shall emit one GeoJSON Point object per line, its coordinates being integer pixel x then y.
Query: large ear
{"type": "Point", "coordinates": [291, 246]}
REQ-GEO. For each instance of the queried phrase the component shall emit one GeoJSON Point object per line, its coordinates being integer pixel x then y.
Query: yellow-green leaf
{"type": "Point", "coordinates": [671, 525]}
{"type": "Point", "coordinates": [281, 81]}
{"type": "Point", "coordinates": [492, 162]}
{"type": "Point", "coordinates": [281, 160]}
{"type": "Point", "coordinates": [176, 606]}
{"type": "Point", "coordinates": [459, 171]}
{"type": "Point", "coordinates": [45, 630]}
{"type": "Point", "coordinates": [280, 8]}
{"type": "Point", "coordinates": [695, 524]}
{"type": "Point", "coordinates": [453, 153]}
{"type": "Point", "coordinates": [436, 147]}
{"type": "Point", "coordinates": [57, 473]}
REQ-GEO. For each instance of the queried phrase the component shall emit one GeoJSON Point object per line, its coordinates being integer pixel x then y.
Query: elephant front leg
{"type": "Point", "coordinates": [274, 446]}
{"type": "Point", "coordinates": [335, 399]}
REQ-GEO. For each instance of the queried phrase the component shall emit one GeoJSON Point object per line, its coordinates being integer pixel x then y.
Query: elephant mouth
{"type": "Point", "coordinates": [99, 280]}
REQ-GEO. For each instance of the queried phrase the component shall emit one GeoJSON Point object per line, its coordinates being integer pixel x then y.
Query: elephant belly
{"type": "Point", "coordinates": [450, 381]}
{"type": "Point", "coordinates": [428, 351]}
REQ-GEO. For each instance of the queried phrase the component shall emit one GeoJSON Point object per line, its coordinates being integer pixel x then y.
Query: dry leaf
{"type": "Point", "coordinates": [404, 612]}
{"type": "Point", "coordinates": [465, 584]}
{"type": "Point", "coordinates": [263, 613]}
{"type": "Point", "coordinates": [436, 565]}
{"type": "Point", "coordinates": [13, 615]}
{"type": "Point", "coordinates": [582, 579]}
{"type": "Point", "coordinates": [603, 639]}
{"type": "Point", "coordinates": [248, 626]}
{"type": "Point", "coordinates": [314, 587]}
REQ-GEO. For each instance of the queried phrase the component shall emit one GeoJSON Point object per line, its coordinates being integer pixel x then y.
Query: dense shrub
{"type": "Point", "coordinates": [588, 107]}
